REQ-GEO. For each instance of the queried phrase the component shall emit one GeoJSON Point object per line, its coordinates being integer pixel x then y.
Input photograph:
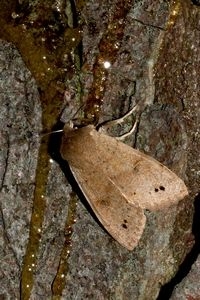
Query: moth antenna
{"type": "Point", "coordinates": [48, 133]}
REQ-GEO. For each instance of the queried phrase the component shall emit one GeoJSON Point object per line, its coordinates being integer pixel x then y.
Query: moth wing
{"type": "Point", "coordinates": [141, 179]}
{"type": "Point", "coordinates": [124, 221]}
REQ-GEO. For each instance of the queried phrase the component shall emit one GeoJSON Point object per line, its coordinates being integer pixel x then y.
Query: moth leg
{"type": "Point", "coordinates": [125, 135]}
{"type": "Point", "coordinates": [119, 121]}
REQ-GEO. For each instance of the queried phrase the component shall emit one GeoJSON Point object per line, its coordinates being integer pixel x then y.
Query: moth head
{"type": "Point", "coordinates": [69, 127]}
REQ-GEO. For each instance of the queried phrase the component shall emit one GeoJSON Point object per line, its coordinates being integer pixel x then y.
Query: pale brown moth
{"type": "Point", "coordinates": [118, 181]}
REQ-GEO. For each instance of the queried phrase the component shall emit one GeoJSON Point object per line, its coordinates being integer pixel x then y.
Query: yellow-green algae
{"type": "Point", "coordinates": [39, 204]}
{"type": "Point", "coordinates": [46, 62]}
{"type": "Point", "coordinates": [60, 278]}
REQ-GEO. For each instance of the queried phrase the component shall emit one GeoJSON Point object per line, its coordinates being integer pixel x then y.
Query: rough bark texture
{"type": "Point", "coordinates": [189, 287]}
{"type": "Point", "coordinates": [156, 66]}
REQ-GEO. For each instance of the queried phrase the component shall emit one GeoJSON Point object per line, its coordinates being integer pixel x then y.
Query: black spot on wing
{"type": "Point", "coordinates": [124, 224]}
{"type": "Point", "coordinates": [160, 188]}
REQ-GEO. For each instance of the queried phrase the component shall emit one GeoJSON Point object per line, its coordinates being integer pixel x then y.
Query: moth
{"type": "Point", "coordinates": [119, 182]}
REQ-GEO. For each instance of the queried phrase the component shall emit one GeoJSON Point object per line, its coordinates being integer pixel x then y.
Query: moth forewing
{"type": "Point", "coordinates": [119, 181]}
{"type": "Point", "coordinates": [124, 221]}
{"type": "Point", "coordinates": [141, 178]}
{"type": "Point", "coordinates": [162, 189]}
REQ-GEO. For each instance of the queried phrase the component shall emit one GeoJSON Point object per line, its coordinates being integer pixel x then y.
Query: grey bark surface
{"type": "Point", "coordinates": [98, 267]}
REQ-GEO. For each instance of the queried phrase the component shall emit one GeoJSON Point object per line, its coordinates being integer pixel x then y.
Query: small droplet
{"type": "Point", "coordinates": [107, 64]}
